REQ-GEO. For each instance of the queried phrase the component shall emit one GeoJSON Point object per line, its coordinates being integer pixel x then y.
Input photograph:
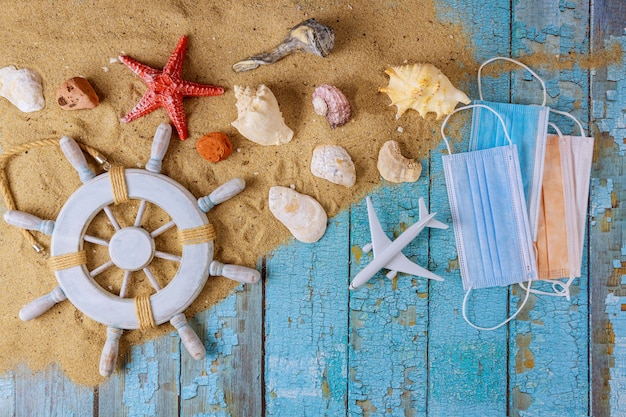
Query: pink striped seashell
{"type": "Point", "coordinates": [329, 101]}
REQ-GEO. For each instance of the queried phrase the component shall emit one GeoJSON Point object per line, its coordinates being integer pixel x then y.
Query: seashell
{"type": "Point", "coordinates": [330, 102]}
{"type": "Point", "coordinates": [301, 214]}
{"type": "Point", "coordinates": [308, 36]}
{"type": "Point", "coordinates": [333, 163]}
{"type": "Point", "coordinates": [394, 167]}
{"type": "Point", "coordinates": [214, 147]}
{"type": "Point", "coordinates": [22, 88]}
{"type": "Point", "coordinates": [77, 94]}
{"type": "Point", "coordinates": [422, 87]}
{"type": "Point", "coordinates": [259, 118]}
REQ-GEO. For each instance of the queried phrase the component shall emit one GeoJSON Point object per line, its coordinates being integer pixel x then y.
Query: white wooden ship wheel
{"type": "Point", "coordinates": [131, 248]}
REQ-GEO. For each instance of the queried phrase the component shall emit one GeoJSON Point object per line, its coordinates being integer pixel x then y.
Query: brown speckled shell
{"type": "Point", "coordinates": [337, 110]}
{"type": "Point", "coordinates": [214, 147]}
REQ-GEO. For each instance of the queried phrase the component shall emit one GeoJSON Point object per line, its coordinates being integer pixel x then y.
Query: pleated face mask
{"type": "Point", "coordinates": [563, 209]}
{"type": "Point", "coordinates": [489, 215]}
{"type": "Point", "coordinates": [527, 126]}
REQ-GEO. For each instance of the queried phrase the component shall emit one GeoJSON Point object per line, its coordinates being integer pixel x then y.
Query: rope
{"type": "Point", "coordinates": [143, 311]}
{"type": "Point", "coordinates": [69, 260]}
{"type": "Point", "coordinates": [118, 184]}
{"type": "Point", "coordinates": [201, 234]}
{"type": "Point", "coordinates": [6, 190]}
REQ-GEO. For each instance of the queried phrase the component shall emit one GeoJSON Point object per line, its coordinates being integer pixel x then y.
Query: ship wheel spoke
{"type": "Point", "coordinates": [162, 229]}
{"type": "Point", "coordinates": [125, 280]}
{"type": "Point", "coordinates": [152, 279]}
{"type": "Point", "coordinates": [101, 268]}
{"type": "Point", "coordinates": [111, 217]}
{"type": "Point", "coordinates": [96, 240]}
{"type": "Point", "coordinates": [167, 256]}
{"type": "Point", "coordinates": [140, 212]}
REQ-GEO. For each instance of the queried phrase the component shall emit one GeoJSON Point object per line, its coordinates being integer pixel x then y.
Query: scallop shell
{"type": "Point", "coordinates": [259, 118]}
{"type": "Point", "coordinates": [394, 167]}
{"type": "Point", "coordinates": [422, 87]}
{"type": "Point", "coordinates": [333, 163]}
{"type": "Point", "coordinates": [301, 214]}
{"type": "Point", "coordinates": [22, 88]}
{"type": "Point", "coordinates": [329, 101]}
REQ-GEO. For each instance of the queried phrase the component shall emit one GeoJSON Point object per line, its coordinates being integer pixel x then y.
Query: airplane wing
{"type": "Point", "coordinates": [401, 263]}
{"type": "Point", "coordinates": [380, 241]}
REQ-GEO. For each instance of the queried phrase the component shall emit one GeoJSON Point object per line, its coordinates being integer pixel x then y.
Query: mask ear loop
{"type": "Point", "coordinates": [502, 58]}
{"type": "Point", "coordinates": [467, 293]}
{"type": "Point", "coordinates": [564, 290]}
{"type": "Point", "coordinates": [571, 116]}
{"type": "Point", "coordinates": [520, 308]}
{"type": "Point", "coordinates": [445, 121]}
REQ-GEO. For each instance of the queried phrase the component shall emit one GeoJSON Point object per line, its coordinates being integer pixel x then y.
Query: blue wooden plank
{"type": "Point", "coordinates": [147, 383]}
{"type": "Point", "coordinates": [389, 318]}
{"type": "Point", "coordinates": [306, 325]}
{"type": "Point", "coordinates": [548, 354]}
{"type": "Point", "coordinates": [227, 382]}
{"type": "Point", "coordinates": [606, 243]}
{"type": "Point", "coordinates": [467, 368]}
{"type": "Point", "coordinates": [7, 394]}
{"type": "Point", "coordinates": [49, 393]}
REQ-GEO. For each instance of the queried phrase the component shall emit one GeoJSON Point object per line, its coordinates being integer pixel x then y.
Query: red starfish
{"type": "Point", "coordinates": [166, 89]}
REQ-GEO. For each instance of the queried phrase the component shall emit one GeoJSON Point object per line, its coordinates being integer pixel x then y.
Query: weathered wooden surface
{"type": "Point", "coordinates": [301, 344]}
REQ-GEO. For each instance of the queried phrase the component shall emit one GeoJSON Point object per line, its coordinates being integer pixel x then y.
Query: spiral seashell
{"type": "Point", "coordinates": [422, 87]}
{"type": "Point", "coordinates": [301, 214]}
{"type": "Point", "coordinates": [259, 118]}
{"type": "Point", "coordinates": [394, 167]}
{"type": "Point", "coordinates": [329, 101]}
{"type": "Point", "coordinates": [333, 163]}
{"type": "Point", "coordinates": [22, 88]}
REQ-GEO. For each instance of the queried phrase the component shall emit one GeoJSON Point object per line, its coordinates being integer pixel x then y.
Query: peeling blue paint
{"type": "Point", "coordinates": [600, 196]}
{"type": "Point", "coordinates": [141, 383]}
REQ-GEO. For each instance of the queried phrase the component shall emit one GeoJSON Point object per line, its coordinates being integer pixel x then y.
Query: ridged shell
{"type": "Point", "coordinates": [329, 101]}
{"type": "Point", "coordinates": [424, 88]}
{"type": "Point", "coordinates": [394, 167]}
{"type": "Point", "coordinates": [259, 118]}
{"type": "Point", "coordinates": [301, 214]}
{"type": "Point", "coordinates": [22, 88]}
{"type": "Point", "coordinates": [333, 163]}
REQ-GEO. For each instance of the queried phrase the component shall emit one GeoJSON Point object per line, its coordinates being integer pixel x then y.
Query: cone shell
{"type": "Point", "coordinates": [333, 163]}
{"type": "Point", "coordinates": [214, 147]}
{"type": "Point", "coordinates": [303, 215]}
{"type": "Point", "coordinates": [394, 167]}
{"type": "Point", "coordinates": [422, 87]}
{"type": "Point", "coordinates": [259, 118]}
{"type": "Point", "coordinates": [329, 101]}
{"type": "Point", "coordinates": [22, 88]}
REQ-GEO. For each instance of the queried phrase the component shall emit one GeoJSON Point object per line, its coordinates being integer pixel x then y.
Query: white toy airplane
{"type": "Point", "coordinates": [388, 254]}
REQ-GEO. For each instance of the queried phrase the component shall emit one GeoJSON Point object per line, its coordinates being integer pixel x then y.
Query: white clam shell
{"type": "Point", "coordinates": [303, 215]}
{"type": "Point", "coordinates": [422, 87]}
{"type": "Point", "coordinates": [333, 163]}
{"type": "Point", "coordinates": [258, 117]}
{"type": "Point", "coordinates": [22, 88]}
{"type": "Point", "coordinates": [394, 167]}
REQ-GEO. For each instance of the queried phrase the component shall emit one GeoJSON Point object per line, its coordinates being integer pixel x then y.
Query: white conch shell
{"type": "Point", "coordinates": [301, 214]}
{"type": "Point", "coordinates": [394, 167]}
{"type": "Point", "coordinates": [422, 87]}
{"type": "Point", "coordinates": [259, 118]}
{"type": "Point", "coordinates": [333, 163]}
{"type": "Point", "coordinates": [22, 88]}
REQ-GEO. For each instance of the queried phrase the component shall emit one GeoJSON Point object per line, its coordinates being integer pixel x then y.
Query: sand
{"type": "Point", "coordinates": [84, 38]}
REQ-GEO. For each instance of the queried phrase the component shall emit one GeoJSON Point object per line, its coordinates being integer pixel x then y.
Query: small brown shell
{"type": "Point", "coordinates": [214, 147]}
{"type": "Point", "coordinates": [329, 101]}
{"type": "Point", "coordinates": [77, 94]}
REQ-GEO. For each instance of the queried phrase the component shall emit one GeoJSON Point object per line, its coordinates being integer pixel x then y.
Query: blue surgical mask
{"type": "Point", "coordinates": [527, 126]}
{"type": "Point", "coordinates": [489, 214]}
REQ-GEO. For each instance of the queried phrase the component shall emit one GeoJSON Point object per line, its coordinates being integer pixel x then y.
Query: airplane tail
{"type": "Point", "coordinates": [432, 223]}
